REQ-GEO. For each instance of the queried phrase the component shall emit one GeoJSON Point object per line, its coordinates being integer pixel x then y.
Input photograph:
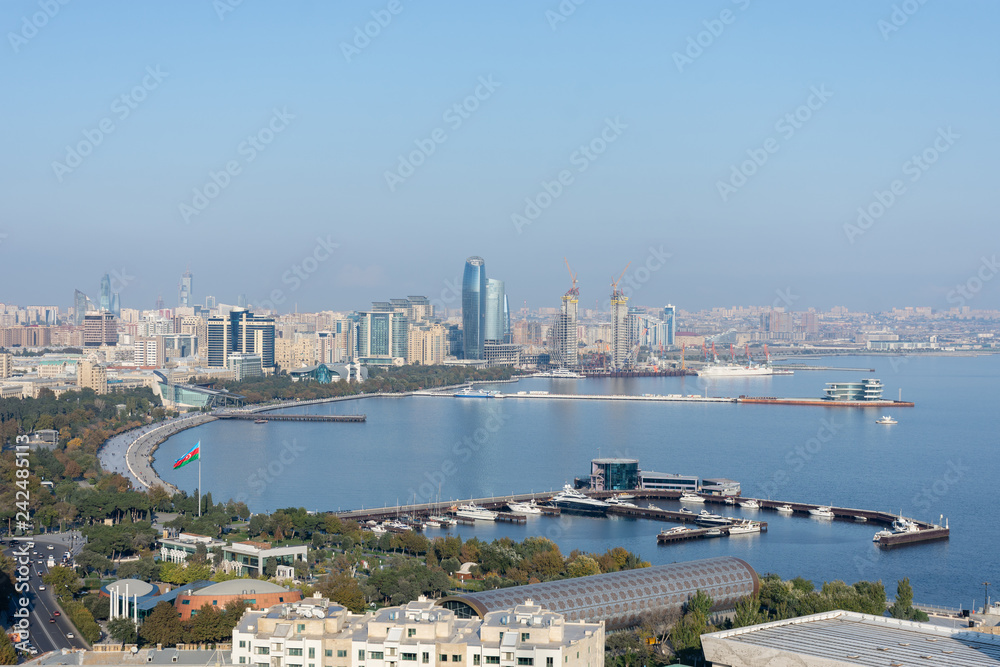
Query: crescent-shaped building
{"type": "Point", "coordinates": [620, 599]}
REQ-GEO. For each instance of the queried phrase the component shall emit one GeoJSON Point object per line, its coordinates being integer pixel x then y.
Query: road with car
{"type": "Point", "coordinates": [49, 628]}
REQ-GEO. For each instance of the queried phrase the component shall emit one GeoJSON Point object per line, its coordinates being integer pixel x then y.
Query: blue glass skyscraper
{"type": "Point", "coordinates": [106, 293]}
{"type": "Point", "coordinates": [670, 319]}
{"type": "Point", "coordinates": [474, 307]}
{"type": "Point", "coordinates": [496, 319]}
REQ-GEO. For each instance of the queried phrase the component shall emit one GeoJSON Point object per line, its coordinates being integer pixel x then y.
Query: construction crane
{"type": "Point", "coordinates": [572, 276]}
{"type": "Point", "coordinates": [614, 283]}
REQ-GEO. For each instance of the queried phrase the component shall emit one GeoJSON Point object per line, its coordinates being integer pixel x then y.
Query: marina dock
{"type": "Point", "coordinates": [926, 532]}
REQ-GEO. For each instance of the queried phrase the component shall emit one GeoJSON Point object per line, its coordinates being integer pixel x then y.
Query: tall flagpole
{"type": "Point", "coordinates": [199, 479]}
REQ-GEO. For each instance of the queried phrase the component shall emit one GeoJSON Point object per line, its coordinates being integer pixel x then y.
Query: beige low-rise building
{"type": "Point", "coordinates": [90, 374]}
{"type": "Point", "coordinates": [317, 633]}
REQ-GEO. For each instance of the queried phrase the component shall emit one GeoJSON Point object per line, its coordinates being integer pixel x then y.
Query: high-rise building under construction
{"type": "Point", "coordinates": [620, 341]}
{"type": "Point", "coordinates": [566, 338]}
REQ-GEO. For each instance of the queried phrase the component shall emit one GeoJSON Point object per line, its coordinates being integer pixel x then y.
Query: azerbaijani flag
{"type": "Point", "coordinates": [190, 456]}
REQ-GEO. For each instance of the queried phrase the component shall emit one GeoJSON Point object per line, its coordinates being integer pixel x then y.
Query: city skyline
{"type": "Point", "coordinates": [835, 150]}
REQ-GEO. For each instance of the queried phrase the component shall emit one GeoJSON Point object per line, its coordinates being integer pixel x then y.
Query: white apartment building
{"type": "Point", "coordinates": [178, 549]}
{"type": "Point", "coordinates": [317, 633]}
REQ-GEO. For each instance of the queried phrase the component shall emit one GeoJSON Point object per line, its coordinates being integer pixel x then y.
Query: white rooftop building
{"type": "Point", "coordinates": [316, 633]}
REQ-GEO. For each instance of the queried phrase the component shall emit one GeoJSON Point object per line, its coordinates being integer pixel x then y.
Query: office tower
{"type": "Point", "coordinates": [495, 311]}
{"type": "Point", "coordinates": [116, 306]}
{"type": "Point", "coordinates": [508, 333]}
{"type": "Point", "coordinates": [185, 293]}
{"type": "Point", "coordinates": [619, 328]}
{"type": "Point", "coordinates": [106, 294]}
{"type": "Point", "coordinates": [100, 329]}
{"type": "Point", "coordinates": [240, 332]}
{"type": "Point", "coordinates": [421, 308]}
{"type": "Point", "coordinates": [565, 333]}
{"type": "Point", "coordinates": [474, 308]}
{"type": "Point", "coordinates": [80, 302]}
{"type": "Point", "coordinates": [148, 351]}
{"type": "Point", "coordinates": [382, 334]}
{"type": "Point", "coordinates": [670, 320]}
{"type": "Point", "coordinates": [241, 301]}
{"type": "Point", "coordinates": [210, 302]}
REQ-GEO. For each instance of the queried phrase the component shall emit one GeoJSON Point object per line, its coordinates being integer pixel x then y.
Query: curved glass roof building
{"type": "Point", "coordinates": [620, 598]}
{"type": "Point", "coordinates": [474, 308]}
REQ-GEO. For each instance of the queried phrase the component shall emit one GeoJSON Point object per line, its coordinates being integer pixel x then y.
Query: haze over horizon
{"type": "Point", "coordinates": [729, 144]}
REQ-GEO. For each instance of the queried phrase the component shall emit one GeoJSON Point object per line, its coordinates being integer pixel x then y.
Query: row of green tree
{"type": "Point", "coordinates": [207, 625]}
{"type": "Point", "coordinates": [381, 380]}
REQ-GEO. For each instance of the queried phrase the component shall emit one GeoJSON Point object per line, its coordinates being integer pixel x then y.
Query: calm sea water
{"type": "Point", "coordinates": [941, 459]}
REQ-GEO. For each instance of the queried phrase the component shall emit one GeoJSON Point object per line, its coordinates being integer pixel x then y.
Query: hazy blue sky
{"type": "Point", "coordinates": [677, 118]}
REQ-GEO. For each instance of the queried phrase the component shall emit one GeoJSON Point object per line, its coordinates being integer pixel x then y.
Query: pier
{"type": "Point", "coordinates": [290, 418]}
{"type": "Point", "coordinates": [823, 402]}
{"type": "Point", "coordinates": [682, 398]}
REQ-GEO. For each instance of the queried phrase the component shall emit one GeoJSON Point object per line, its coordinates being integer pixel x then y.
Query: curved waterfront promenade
{"type": "Point", "coordinates": [130, 454]}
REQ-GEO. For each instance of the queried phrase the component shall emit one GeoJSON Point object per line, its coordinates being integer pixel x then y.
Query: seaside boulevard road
{"type": "Point", "coordinates": [47, 631]}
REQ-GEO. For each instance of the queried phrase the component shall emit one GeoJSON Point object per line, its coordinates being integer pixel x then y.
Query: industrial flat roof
{"type": "Point", "coordinates": [848, 638]}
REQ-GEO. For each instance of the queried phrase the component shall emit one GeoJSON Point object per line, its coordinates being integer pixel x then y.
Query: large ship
{"type": "Point", "coordinates": [560, 374]}
{"type": "Point", "coordinates": [748, 368]}
{"type": "Point", "coordinates": [572, 501]}
{"type": "Point", "coordinates": [469, 392]}
{"type": "Point", "coordinates": [734, 370]}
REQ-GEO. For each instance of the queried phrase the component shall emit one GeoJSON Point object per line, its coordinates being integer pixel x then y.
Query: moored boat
{"type": "Point", "coordinates": [475, 512]}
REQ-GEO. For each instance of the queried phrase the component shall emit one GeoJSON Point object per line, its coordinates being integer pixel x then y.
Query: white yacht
{"type": "Point", "coordinates": [750, 504]}
{"type": "Point", "coordinates": [676, 530]}
{"type": "Point", "coordinates": [625, 496]}
{"type": "Point", "coordinates": [744, 527]}
{"type": "Point", "coordinates": [904, 525]}
{"type": "Point", "coordinates": [822, 512]}
{"type": "Point", "coordinates": [619, 502]}
{"type": "Point", "coordinates": [685, 510]}
{"type": "Point", "coordinates": [396, 525]}
{"type": "Point", "coordinates": [473, 511]}
{"type": "Point", "coordinates": [886, 419]}
{"type": "Point", "coordinates": [572, 501]}
{"type": "Point", "coordinates": [443, 520]}
{"type": "Point", "coordinates": [784, 509]}
{"type": "Point", "coordinates": [881, 534]}
{"type": "Point", "coordinates": [431, 523]}
{"type": "Point", "coordinates": [378, 530]}
{"type": "Point", "coordinates": [524, 508]}
{"type": "Point", "coordinates": [688, 497]}
{"type": "Point", "coordinates": [706, 518]}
